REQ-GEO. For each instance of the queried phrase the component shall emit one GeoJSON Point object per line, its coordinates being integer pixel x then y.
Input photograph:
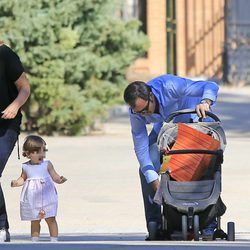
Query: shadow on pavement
{"type": "Point", "coordinates": [235, 116]}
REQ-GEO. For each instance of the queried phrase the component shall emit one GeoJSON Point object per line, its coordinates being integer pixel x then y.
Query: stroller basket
{"type": "Point", "coordinates": [196, 194]}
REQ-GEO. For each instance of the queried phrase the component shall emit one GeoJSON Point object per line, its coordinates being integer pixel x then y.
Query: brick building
{"type": "Point", "coordinates": [186, 37]}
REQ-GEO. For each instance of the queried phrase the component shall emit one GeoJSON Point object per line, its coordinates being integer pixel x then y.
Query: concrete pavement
{"type": "Point", "coordinates": [102, 197]}
{"type": "Point", "coordinates": [124, 242]}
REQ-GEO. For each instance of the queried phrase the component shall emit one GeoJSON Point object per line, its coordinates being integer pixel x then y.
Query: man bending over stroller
{"type": "Point", "coordinates": [153, 102]}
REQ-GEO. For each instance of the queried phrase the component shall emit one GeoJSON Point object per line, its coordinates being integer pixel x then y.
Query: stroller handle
{"type": "Point", "coordinates": [195, 151]}
{"type": "Point", "coordinates": [191, 111]}
{"type": "Point", "coordinates": [218, 153]}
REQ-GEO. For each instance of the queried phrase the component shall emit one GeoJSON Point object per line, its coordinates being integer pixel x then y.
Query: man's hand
{"type": "Point", "coordinates": [202, 107]}
{"type": "Point", "coordinates": [10, 112]}
{"type": "Point", "coordinates": [155, 184]}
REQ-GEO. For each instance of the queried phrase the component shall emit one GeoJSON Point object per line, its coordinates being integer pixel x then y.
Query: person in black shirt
{"type": "Point", "coordinates": [14, 91]}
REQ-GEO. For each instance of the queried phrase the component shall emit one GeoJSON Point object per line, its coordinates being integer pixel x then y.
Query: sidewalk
{"type": "Point", "coordinates": [102, 195]}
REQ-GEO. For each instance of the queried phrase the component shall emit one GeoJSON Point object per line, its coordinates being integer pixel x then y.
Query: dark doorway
{"type": "Point", "coordinates": [171, 37]}
{"type": "Point", "coordinates": [237, 42]}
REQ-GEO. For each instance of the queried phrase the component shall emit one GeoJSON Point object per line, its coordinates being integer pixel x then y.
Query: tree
{"type": "Point", "coordinates": [76, 53]}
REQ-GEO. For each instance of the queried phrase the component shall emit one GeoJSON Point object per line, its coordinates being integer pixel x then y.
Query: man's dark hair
{"type": "Point", "coordinates": [134, 90]}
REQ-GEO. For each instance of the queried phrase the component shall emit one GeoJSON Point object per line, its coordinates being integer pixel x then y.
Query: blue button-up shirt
{"type": "Point", "coordinates": [173, 93]}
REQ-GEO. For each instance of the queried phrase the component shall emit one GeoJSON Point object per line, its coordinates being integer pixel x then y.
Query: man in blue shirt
{"type": "Point", "coordinates": [153, 102]}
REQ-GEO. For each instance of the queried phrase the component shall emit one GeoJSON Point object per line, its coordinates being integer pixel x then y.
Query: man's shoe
{"type": "Point", "coordinates": [160, 235]}
{"type": "Point", "coordinates": [4, 235]}
{"type": "Point", "coordinates": [7, 236]}
{"type": "Point", "coordinates": [208, 232]}
{"type": "Point", "coordinates": [154, 230]}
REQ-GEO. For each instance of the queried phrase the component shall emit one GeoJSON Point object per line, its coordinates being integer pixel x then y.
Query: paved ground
{"type": "Point", "coordinates": [128, 245]}
{"type": "Point", "coordinates": [101, 201]}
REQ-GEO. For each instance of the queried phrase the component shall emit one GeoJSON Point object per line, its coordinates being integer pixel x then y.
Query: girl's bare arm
{"type": "Point", "coordinates": [20, 180]}
{"type": "Point", "coordinates": [54, 175]}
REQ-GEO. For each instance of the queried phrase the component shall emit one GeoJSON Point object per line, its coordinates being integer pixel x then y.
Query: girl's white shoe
{"type": "Point", "coordinates": [34, 239]}
{"type": "Point", "coordinates": [54, 239]}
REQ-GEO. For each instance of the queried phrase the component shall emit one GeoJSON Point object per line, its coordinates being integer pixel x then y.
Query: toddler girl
{"type": "Point", "coordinates": [38, 197]}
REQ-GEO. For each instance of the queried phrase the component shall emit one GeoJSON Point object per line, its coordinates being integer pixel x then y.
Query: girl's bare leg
{"type": "Point", "coordinates": [35, 229]}
{"type": "Point", "coordinates": [53, 228]}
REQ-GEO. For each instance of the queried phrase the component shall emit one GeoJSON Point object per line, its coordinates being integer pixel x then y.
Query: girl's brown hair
{"type": "Point", "coordinates": [32, 143]}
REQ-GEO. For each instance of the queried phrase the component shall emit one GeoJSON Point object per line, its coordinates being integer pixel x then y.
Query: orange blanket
{"type": "Point", "coordinates": [191, 167]}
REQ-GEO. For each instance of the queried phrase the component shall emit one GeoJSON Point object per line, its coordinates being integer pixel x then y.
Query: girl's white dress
{"type": "Point", "coordinates": [38, 192]}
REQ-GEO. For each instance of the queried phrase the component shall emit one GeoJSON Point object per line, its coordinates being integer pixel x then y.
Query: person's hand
{"type": "Point", "coordinates": [62, 179]}
{"type": "Point", "coordinates": [14, 183]}
{"type": "Point", "coordinates": [202, 107]}
{"type": "Point", "coordinates": [155, 184]}
{"type": "Point", "coordinates": [10, 112]}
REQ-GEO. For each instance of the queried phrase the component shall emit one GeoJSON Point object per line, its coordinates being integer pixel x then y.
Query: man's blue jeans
{"type": "Point", "coordinates": [152, 210]}
{"type": "Point", "coordinates": [8, 138]}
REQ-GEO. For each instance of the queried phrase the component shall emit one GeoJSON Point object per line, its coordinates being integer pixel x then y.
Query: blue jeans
{"type": "Point", "coordinates": [152, 210]}
{"type": "Point", "coordinates": [8, 138]}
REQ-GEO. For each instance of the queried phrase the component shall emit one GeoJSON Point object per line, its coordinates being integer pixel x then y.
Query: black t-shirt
{"type": "Point", "coordinates": [10, 70]}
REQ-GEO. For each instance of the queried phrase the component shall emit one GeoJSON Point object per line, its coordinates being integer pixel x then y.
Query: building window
{"type": "Point", "coordinates": [135, 9]}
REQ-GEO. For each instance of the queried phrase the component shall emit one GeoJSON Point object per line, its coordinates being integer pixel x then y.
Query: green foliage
{"type": "Point", "coordinates": [76, 54]}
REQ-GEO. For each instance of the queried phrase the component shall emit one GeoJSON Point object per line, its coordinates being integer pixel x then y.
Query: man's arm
{"type": "Point", "coordinates": [23, 87]}
{"type": "Point", "coordinates": [202, 89]}
{"type": "Point", "coordinates": [141, 146]}
{"type": "Point", "coordinates": [206, 90]}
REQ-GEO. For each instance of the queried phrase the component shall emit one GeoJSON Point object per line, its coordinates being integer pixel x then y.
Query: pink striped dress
{"type": "Point", "coordinates": [38, 193]}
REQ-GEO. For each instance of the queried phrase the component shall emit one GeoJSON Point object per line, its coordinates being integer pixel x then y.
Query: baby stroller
{"type": "Point", "coordinates": [189, 206]}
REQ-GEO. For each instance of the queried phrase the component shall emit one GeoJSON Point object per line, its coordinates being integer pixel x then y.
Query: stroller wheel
{"type": "Point", "coordinates": [184, 227]}
{"type": "Point", "coordinates": [230, 231]}
{"type": "Point", "coordinates": [152, 230]}
{"type": "Point", "coordinates": [196, 227]}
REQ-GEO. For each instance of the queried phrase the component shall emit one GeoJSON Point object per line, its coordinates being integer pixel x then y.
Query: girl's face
{"type": "Point", "coordinates": [37, 156]}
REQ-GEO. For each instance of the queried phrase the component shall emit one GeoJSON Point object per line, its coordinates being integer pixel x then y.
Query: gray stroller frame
{"type": "Point", "coordinates": [188, 207]}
